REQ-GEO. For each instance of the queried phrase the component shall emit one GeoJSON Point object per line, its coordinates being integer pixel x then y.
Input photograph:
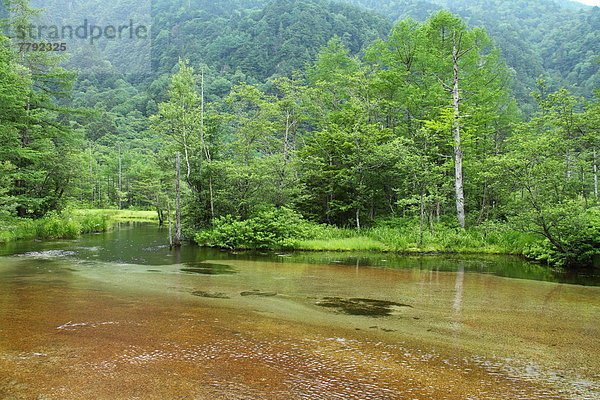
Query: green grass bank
{"type": "Point", "coordinates": [68, 224]}
{"type": "Point", "coordinates": [410, 239]}
{"type": "Point", "coordinates": [285, 229]}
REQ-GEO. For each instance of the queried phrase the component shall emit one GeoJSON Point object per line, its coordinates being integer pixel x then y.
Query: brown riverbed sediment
{"type": "Point", "coordinates": [124, 331]}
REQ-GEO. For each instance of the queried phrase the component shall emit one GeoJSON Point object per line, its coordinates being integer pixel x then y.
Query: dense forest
{"type": "Point", "coordinates": [557, 39]}
{"type": "Point", "coordinates": [388, 120]}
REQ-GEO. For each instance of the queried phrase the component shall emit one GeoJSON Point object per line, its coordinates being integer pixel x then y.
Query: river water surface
{"type": "Point", "coordinates": [119, 316]}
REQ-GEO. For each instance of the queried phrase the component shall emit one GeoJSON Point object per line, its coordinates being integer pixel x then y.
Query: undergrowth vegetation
{"type": "Point", "coordinates": [576, 242]}
{"type": "Point", "coordinates": [53, 226]}
{"type": "Point", "coordinates": [409, 238]}
{"type": "Point", "coordinates": [286, 229]}
{"type": "Point", "coordinates": [68, 224]}
{"type": "Point", "coordinates": [120, 215]}
{"type": "Point", "coordinates": [268, 229]}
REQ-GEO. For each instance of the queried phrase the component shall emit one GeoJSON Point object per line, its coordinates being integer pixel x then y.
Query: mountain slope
{"type": "Point", "coordinates": [559, 39]}
{"type": "Point", "coordinates": [275, 40]}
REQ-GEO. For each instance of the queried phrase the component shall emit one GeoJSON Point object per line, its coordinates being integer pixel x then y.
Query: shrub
{"type": "Point", "coordinates": [580, 245]}
{"type": "Point", "coordinates": [268, 229]}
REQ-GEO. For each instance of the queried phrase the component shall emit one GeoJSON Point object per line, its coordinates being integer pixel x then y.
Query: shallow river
{"type": "Point", "coordinates": [119, 316]}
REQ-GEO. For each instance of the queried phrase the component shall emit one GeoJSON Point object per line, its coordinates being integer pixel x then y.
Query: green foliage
{"type": "Point", "coordinates": [68, 224]}
{"type": "Point", "coordinates": [276, 39]}
{"type": "Point", "coordinates": [544, 183]}
{"type": "Point", "coordinates": [37, 147]}
{"type": "Point", "coordinates": [280, 229]}
{"type": "Point", "coordinates": [270, 228]}
{"type": "Point", "coordinates": [180, 119]}
{"type": "Point", "coordinates": [405, 235]}
{"type": "Point", "coordinates": [52, 226]}
{"type": "Point", "coordinates": [557, 39]}
{"type": "Point", "coordinates": [372, 139]}
{"type": "Point", "coordinates": [113, 215]}
{"type": "Point", "coordinates": [290, 108]}
{"type": "Point", "coordinates": [358, 243]}
{"type": "Point", "coordinates": [579, 243]}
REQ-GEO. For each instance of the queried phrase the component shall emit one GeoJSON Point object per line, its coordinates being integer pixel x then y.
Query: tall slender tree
{"type": "Point", "coordinates": [466, 66]}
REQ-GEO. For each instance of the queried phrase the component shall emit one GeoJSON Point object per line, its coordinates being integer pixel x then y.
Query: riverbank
{"type": "Point", "coordinates": [283, 229]}
{"type": "Point", "coordinates": [409, 239]}
{"type": "Point", "coordinates": [69, 224]}
{"type": "Point", "coordinates": [119, 215]}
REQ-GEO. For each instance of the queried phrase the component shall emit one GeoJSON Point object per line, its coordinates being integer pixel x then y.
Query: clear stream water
{"type": "Point", "coordinates": [119, 316]}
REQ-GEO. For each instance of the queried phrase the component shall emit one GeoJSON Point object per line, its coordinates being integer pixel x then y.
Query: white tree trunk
{"type": "Point", "coordinates": [212, 201]}
{"type": "Point", "coordinates": [595, 176]}
{"type": "Point", "coordinates": [170, 223]}
{"type": "Point", "coordinates": [456, 125]}
{"type": "Point", "coordinates": [120, 179]}
{"type": "Point", "coordinates": [177, 241]}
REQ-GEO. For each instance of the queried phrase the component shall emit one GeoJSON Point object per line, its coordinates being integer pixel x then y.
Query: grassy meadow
{"type": "Point", "coordinates": [69, 223]}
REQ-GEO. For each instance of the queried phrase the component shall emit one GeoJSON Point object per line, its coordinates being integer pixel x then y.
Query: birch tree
{"type": "Point", "coordinates": [179, 120]}
{"type": "Point", "coordinates": [465, 65]}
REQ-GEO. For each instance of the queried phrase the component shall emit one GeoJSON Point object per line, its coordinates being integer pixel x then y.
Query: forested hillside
{"type": "Point", "coordinates": [274, 40]}
{"type": "Point", "coordinates": [234, 41]}
{"type": "Point", "coordinates": [260, 38]}
{"type": "Point", "coordinates": [291, 113]}
{"type": "Point", "coordinates": [557, 39]}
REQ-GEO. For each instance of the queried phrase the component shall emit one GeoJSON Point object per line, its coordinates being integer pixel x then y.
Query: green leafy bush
{"type": "Point", "coordinates": [580, 244]}
{"type": "Point", "coordinates": [268, 229]}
